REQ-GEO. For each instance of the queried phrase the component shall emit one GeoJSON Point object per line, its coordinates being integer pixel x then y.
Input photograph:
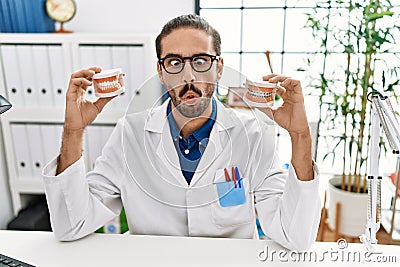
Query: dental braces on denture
{"type": "Point", "coordinates": [259, 94]}
{"type": "Point", "coordinates": [109, 83]}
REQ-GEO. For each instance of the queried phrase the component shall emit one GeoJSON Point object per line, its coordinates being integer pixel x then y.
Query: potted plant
{"type": "Point", "coordinates": [355, 40]}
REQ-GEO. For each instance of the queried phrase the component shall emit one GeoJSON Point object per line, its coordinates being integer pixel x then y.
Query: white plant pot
{"type": "Point", "coordinates": [353, 215]}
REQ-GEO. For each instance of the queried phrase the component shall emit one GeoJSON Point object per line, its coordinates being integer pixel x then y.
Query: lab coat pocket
{"type": "Point", "coordinates": [229, 195]}
{"type": "Point", "coordinates": [233, 206]}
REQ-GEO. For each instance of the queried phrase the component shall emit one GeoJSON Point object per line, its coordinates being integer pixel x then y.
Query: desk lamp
{"type": "Point", "coordinates": [382, 113]}
{"type": "Point", "coordinates": [4, 105]}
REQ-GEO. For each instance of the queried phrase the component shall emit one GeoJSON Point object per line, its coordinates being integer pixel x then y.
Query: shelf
{"type": "Point", "coordinates": [51, 115]}
{"type": "Point", "coordinates": [34, 76]}
{"type": "Point", "coordinates": [29, 186]}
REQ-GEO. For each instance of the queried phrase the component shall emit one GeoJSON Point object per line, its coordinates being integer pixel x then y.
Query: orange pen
{"type": "Point", "coordinates": [234, 176]}
{"type": "Point", "coordinates": [226, 175]}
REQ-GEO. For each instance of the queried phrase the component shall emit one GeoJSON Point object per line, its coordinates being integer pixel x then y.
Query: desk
{"type": "Point", "coordinates": [41, 249]}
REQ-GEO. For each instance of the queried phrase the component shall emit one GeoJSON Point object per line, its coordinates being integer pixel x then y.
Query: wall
{"type": "Point", "coordinates": [134, 16]}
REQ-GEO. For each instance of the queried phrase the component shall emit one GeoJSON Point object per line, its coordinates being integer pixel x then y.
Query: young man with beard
{"type": "Point", "coordinates": [165, 166]}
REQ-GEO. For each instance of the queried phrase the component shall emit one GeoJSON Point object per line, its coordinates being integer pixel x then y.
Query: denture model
{"type": "Point", "coordinates": [260, 94]}
{"type": "Point", "coordinates": [108, 83]}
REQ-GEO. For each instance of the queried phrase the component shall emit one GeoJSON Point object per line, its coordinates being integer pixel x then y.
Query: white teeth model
{"type": "Point", "coordinates": [108, 85]}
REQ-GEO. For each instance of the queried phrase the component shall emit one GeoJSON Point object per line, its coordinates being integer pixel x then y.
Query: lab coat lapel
{"type": "Point", "coordinates": [158, 127]}
{"type": "Point", "coordinates": [217, 143]}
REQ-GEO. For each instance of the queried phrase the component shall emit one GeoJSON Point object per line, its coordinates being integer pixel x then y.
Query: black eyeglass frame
{"type": "Point", "coordinates": [212, 57]}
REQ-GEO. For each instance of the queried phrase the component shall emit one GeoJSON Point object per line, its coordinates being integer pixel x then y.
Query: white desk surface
{"type": "Point", "coordinates": [41, 249]}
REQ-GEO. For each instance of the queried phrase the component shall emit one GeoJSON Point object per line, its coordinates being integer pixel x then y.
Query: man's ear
{"type": "Point", "coordinates": [220, 68]}
{"type": "Point", "coordinates": [159, 71]}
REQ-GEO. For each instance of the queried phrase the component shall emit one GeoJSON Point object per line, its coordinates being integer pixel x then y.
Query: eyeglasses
{"type": "Point", "coordinates": [174, 64]}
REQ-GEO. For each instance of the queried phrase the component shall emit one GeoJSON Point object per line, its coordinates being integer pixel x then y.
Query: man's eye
{"type": "Point", "coordinates": [174, 62]}
{"type": "Point", "coordinates": [199, 61]}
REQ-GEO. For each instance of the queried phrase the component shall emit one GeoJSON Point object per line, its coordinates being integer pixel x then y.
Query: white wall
{"type": "Point", "coordinates": [133, 16]}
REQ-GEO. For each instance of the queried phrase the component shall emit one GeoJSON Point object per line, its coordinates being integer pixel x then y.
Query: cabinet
{"type": "Point", "coordinates": [34, 75]}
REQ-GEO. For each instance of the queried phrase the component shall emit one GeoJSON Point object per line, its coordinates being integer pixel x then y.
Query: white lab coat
{"type": "Point", "coordinates": [139, 169]}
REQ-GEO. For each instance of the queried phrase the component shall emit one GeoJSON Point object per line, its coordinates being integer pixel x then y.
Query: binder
{"type": "Point", "coordinates": [6, 18]}
{"type": "Point", "coordinates": [22, 154]}
{"type": "Point", "coordinates": [13, 15]}
{"type": "Point", "coordinates": [43, 23]}
{"type": "Point", "coordinates": [87, 58]}
{"type": "Point", "coordinates": [58, 75]}
{"type": "Point", "coordinates": [29, 15]}
{"type": "Point", "coordinates": [120, 59]}
{"type": "Point", "coordinates": [12, 75]}
{"type": "Point", "coordinates": [2, 20]}
{"type": "Point", "coordinates": [51, 136]}
{"type": "Point", "coordinates": [36, 148]}
{"type": "Point", "coordinates": [28, 80]}
{"type": "Point", "coordinates": [94, 143]}
{"type": "Point", "coordinates": [41, 67]}
{"type": "Point", "coordinates": [19, 12]}
{"type": "Point", "coordinates": [105, 134]}
{"type": "Point", "coordinates": [142, 100]}
{"type": "Point", "coordinates": [102, 56]}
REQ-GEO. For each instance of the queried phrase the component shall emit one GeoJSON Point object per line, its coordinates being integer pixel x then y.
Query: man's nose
{"type": "Point", "coordinates": [188, 72]}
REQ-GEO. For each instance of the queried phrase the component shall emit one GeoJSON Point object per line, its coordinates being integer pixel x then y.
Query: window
{"type": "Point", "coordinates": [249, 28]}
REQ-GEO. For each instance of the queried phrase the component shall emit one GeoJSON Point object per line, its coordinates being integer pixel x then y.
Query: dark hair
{"type": "Point", "coordinates": [189, 21]}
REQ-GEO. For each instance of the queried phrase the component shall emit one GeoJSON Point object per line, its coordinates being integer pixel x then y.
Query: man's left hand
{"type": "Point", "coordinates": [292, 114]}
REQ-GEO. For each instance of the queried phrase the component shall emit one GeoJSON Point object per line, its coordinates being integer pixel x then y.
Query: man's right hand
{"type": "Point", "coordinates": [80, 112]}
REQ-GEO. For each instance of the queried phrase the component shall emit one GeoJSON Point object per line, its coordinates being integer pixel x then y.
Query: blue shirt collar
{"type": "Point", "coordinates": [200, 134]}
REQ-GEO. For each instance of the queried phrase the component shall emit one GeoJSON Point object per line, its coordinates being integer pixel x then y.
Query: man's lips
{"type": "Point", "coordinates": [190, 97]}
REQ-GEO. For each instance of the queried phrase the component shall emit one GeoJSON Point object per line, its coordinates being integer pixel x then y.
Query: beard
{"type": "Point", "coordinates": [197, 108]}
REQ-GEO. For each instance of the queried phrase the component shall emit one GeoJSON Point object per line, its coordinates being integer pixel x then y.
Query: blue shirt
{"type": "Point", "coordinates": [190, 150]}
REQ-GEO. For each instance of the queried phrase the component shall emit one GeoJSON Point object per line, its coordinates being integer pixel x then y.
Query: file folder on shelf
{"type": "Point", "coordinates": [36, 148]}
{"type": "Point", "coordinates": [93, 141]}
{"type": "Point", "coordinates": [42, 73]}
{"type": "Point", "coordinates": [28, 79]}
{"type": "Point", "coordinates": [103, 58]}
{"type": "Point", "coordinates": [137, 77]}
{"type": "Point", "coordinates": [96, 137]}
{"type": "Point", "coordinates": [87, 58]}
{"type": "Point", "coordinates": [43, 23]}
{"type": "Point", "coordinates": [19, 12]}
{"type": "Point", "coordinates": [120, 58]}
{"type": "Point", "coordinates": [6, 17]}
{"type": "Point", "coordinates": [12, 76]}
{"type": "Point", "coordinates": [58, 74]}
{"type": "Point", "coordinates": [22, 153]}
{"type": "Point", "coordinates": [51, 136]}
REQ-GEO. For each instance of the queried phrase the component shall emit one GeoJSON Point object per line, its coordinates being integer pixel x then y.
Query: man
{"type": "Point", "coordinates": [165, 166]}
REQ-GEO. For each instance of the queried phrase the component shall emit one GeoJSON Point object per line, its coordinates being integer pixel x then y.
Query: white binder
{"type": "Point", "coordinates": [103, 56]}
{"type": "Point", "coordinates": [51, 136]}
{"type": "Point", "coordinates": [36, 148]}
{"type": "Point", "coordinates": [120, 59]}
{"type": "Point", "coordinates": [142, 100]}
{"type": "Point", "coordinates": [105, 134]}
{"type": "Point", "coordinates": [21, 149]}
{"type": "Point", "coordinates": [93, 140]}
{"type": "Point", "coordinates": [12, 76]}
{"type": "Point", "coordinates": [27, 74]}
{"type": "Point", "coordinates": [58, 75]}
{"type": "Point", "coordinates": [43, 75]}
{"type": "Point", "coordinates": [103, 59]}
{"type": "Point", "coordinates": [87, 58]}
